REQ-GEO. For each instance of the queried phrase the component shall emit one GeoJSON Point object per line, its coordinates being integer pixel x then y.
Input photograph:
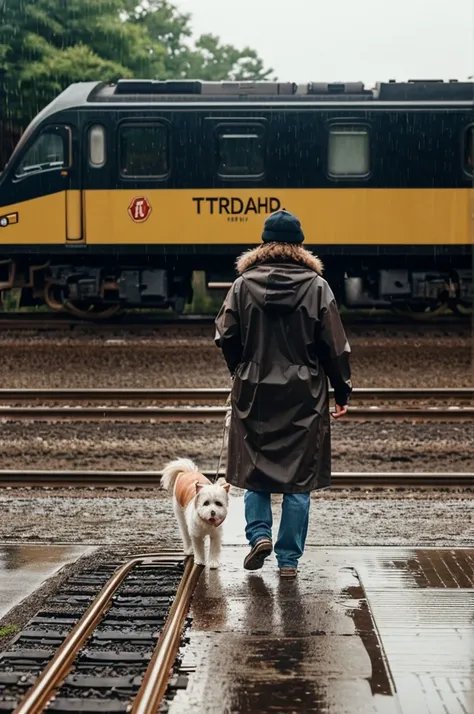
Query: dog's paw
{"type": "Point", "coordinates": [214, 564]}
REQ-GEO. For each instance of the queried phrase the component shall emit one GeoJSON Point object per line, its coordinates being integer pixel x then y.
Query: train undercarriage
{"type": "Point", "coordinates": [94, 291]}
{"type": "Point", "coordinates": [410, 291]}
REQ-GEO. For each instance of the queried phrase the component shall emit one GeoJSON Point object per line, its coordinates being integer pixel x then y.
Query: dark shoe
{"type": "Point", "coordinates": [261, 550]}
{"type": "Point", "coordinates": [288, 572]}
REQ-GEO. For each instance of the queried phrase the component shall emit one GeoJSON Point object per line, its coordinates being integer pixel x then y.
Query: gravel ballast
{"type": "Point", "coordinates": [343, 519]}
{"type": "Point", "coordinates": [371, 446]}
{"type": "Point", "coordinates": [183, 358]}
{"type": "Point", "coordinates": [189, 359]}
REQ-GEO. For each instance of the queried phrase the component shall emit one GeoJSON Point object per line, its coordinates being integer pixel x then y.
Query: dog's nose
{"type": "Point", "coordinates": [213, 513]}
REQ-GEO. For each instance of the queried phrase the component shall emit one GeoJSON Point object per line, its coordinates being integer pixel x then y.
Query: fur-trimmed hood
{"type": "Point", "coordinates": [279, 276]}
{"type": "Point", "coordinates": [279, 253]}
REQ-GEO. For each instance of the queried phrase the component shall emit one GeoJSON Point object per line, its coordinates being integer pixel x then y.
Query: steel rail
{"type": "Point", "coordinates": [206, 413]}
{"type": "Point", "coordinates": [60, 321]}
{"type": "Point", "coordinates": [37, 698]}
{"type": "Point", "coordinates": [145, 479]}
{"type": "Point", "coordinates": [55, 320]}
{"type": "Point", "coordinates": [155, 680]}
{"type": "Point", "coordinates": [203, 394]}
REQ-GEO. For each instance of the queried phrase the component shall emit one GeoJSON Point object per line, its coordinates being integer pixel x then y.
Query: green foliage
{"type": "Point", "coordinates": [10, 300]}
{"type": "Point", "coordinates": [213, 61]}
{"type": "Point", "coordinates": [204, 302]}
{"type": "Point", "coordinates": [45, 45]}
{"type": "Point", "coordinates": [8, 630]}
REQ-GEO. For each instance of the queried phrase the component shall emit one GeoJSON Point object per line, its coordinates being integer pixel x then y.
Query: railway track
{"type": "Point", "coordinates": [442, 394]}
{"type": "Point", "coordinates": [455, 410]}
{"type": "Point", "coordinates": [31, 478]}
{"type": "Point", "coordinates": [203, 414]}
{"type": "Point", "coordinates": [106, 642]}
{"type": "Point", "coordinates": [57, 321]}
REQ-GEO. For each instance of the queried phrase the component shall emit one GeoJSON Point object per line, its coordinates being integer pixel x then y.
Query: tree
{"type": "Point", "coordinates": [206, 58]}
{"type": "Point", "coordinates": [214, 61]}
{"type": "Point", "coordinates": [45, 45]}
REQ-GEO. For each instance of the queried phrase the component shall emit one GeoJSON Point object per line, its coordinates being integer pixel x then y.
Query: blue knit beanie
{"type": "Point", "coordinates": [282, 227]}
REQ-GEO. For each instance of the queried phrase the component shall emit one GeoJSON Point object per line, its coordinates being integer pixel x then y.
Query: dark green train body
{"type": "Point", "coordinates": [115, 194]}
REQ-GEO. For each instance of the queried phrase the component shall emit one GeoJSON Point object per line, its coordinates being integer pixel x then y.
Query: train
{"type": "Point", "coordinates": [117, 193]}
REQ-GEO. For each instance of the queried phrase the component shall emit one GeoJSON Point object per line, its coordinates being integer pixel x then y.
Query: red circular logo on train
{"type": "Point", "coordinates": [139, 209]}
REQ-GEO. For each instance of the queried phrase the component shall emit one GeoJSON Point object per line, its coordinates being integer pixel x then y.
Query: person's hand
{"type": "Point", "coordinates": [340, 411]}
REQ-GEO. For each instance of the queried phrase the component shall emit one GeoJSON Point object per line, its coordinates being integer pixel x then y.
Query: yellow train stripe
{"type": "Point", "coordinates": [188, 216]}
{"type": "Point", "coordinates": [40, 221]}
{"type": "Point", "coordinates": [73, 216]}
{"type": "Point", "coordinates": [329, 216]}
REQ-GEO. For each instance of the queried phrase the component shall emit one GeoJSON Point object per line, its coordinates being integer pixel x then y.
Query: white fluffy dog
{"type": "Point", "coordinates": [200, 508]}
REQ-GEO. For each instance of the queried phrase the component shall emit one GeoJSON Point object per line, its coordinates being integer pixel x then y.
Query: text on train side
{"type": "Point", "coordinates": [235, 206]}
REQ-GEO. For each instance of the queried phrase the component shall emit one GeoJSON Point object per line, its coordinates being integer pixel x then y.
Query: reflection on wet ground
{"type": "Point", "coordinates": [24, 567]}
{"type": "Point", "coordinates": [423, 603]}
{"type": "Point", "coordinates": [362, 631]}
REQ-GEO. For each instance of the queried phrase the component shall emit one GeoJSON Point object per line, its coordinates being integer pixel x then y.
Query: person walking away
{"type": "Point", "coordinates": [281, 335]}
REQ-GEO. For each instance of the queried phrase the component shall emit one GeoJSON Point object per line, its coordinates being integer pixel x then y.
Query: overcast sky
{"type": "Point", "coordinates": [331, 40]}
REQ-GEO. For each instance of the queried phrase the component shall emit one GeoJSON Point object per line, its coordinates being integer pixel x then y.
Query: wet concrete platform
{"type": "Point", "coordinates": [361, 631]}
{"type": "Point", "coordinates": [23, 568]}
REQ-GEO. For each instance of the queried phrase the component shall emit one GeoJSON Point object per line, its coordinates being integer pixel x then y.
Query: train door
{"type": "Point", "coordinates": [97, 161]}
{"type": "Point", "coordinates": [126, 169]}
{"type": "Point", "coordinates": [45, 203]}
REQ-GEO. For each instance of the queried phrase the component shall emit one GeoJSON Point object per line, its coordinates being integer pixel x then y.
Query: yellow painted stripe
{"type": "Point", "coordinates": [329, 216]}
{"type": "Point", "coordinates": [73, 216]}
{"type": "Point", "coordinates": [41, 220]}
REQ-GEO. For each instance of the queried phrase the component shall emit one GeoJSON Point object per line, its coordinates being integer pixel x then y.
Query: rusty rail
{"type": "Point", "coordinates": [146, 479]}
{"type": "Point", "coordinates": [205, 413]}
{"type": "Point", "coordinates": [60, 321]}
{"type": "Point", "coordinates": [209, 395]}
{"type": "Point", "coordinates": [54, 673]}
{"type": "Point", "coordinates": [155, 680]}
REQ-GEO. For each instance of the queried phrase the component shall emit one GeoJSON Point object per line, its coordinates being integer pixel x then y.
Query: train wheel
{"type": "Point", "coordinates": [52, 299]}
{"type": "Point", "coordinates": [91, 312]}
{"type": "Point", "coordinates": [462, 310]}
{"type": "Point", "coordinates": [421, 312]}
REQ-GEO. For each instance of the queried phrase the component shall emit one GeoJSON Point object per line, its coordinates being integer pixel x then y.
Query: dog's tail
{"type": "Point", "coordinates": [173, 469]}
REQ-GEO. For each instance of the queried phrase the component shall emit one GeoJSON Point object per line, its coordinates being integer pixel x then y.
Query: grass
{"type": "Point", "coordinates": [204, 301]}
{"type": "Point", "coordinates": [10, 300]}
{"type": "Point", "coordinates": [8, 630]}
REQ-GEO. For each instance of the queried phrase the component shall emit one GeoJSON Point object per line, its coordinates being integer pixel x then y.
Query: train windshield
{"type": "Point", "coordinates": [47, 152]}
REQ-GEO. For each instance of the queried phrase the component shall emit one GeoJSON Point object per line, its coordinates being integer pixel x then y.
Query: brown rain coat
{"type": "Point", "coordinates": [281, 335]}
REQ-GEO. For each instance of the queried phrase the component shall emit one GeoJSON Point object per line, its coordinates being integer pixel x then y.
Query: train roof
{"type": "Point", "coordinates": [141, 92]}
{"type": "Point", "coordinates": [157, 90]}
{"type": "Point", "coordinates": [149, 90]}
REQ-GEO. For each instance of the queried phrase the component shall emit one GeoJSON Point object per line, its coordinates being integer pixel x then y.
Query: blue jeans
{"type": "Point", "coordinates": [293, 524]}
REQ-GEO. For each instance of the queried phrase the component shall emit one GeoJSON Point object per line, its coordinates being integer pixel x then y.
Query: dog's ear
{"type": "Point", "coordinates": [199, 486]}
{"type": "Point", "coordinates": [223, 484]}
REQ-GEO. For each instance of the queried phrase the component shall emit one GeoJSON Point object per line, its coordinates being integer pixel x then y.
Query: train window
{"type": "Point", "coordinates": [348, 154]}
{"type": "Point", "coordinates": [97, 146]}
{"type": "Point", "coordinates": [469, 150]}
{"type": "Point", "coordinates": [46, 153]}
{"type": "Point", "coordinates": [143, 150]}
{"type": "Point", "coordinates": [241, 151]}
